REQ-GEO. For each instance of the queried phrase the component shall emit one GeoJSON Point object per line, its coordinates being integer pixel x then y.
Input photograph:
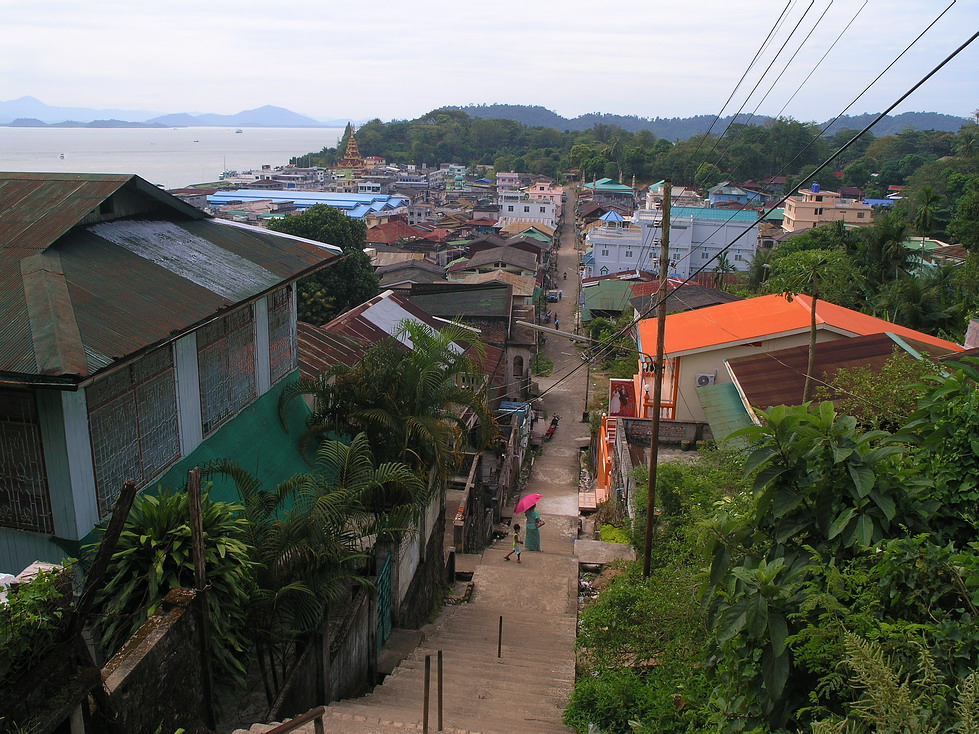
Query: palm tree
{"type": "Point", "coordinates": [722, 268]}
{"type": "Point", "coordinates": [924, 217]}
{"type": "Point", "coordinates": [312, 536]}
{"type": "Point", "coordinates": [882, 250]}
{"type": "Point", "coordinates": [416, 406]}
{"type": "Point", "coordinates": [760, 267]}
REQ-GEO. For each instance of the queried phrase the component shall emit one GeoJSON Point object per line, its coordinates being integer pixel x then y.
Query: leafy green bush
{"type": "Point", "coordinates": [614, 534]}
{"type": "Point", "coordinates": [541, 365]}
{"type": "Point", "coordinates": [30, 621]}
{"type": "Point", "coordinates": [154, 555]}
{"type": "Point", "coordinates": [608, 700]}
{"type": "Point", "coordinates": [642, 650]}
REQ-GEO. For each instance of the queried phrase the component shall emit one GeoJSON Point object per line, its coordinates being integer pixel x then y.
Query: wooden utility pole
{"type": "Point", "coordinates": [661, 294]}
{"type": "Point", "coordinates": [200, 579]}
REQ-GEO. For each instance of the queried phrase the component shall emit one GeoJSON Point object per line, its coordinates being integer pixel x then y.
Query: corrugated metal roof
{"type": "Point", "coordinates": [352, 333]}
{"type": "Point", "coordinates": [104, 290]}
{"type": "Point", "coordinates": [462, 299]}
{"type": "Point", "coordinates": [724, 410]}
{"type": "Point", "coordinates": [778, 378]}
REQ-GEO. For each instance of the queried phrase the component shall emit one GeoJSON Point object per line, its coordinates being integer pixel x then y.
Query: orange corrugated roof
{"type": "Point", "coordinates": [763, 317]}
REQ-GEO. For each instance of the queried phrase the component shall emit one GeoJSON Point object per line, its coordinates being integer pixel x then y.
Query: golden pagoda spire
{"type": "Point", "coordinates": [351, 155]}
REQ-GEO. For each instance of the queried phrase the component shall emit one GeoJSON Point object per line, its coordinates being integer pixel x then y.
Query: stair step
{"type": "Point", "coordinates": [472, 665]}
{"type": "Point", "coordinates": [509, 688]}
{"type": "Point", "coordinates": [495, 719]}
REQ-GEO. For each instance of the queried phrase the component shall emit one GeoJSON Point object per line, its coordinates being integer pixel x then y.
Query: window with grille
{"type": "Point", "coordinates": [24, 500]}
{"type": "Point", "coordinates": [226, 365]}
{"type": "Point", "coordinates": [282, 347]}
{"type": "Point", "coordinates": [132, 419]}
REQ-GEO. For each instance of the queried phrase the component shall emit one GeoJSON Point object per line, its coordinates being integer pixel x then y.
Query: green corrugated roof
{"type": "Point", "coordinates": [724, 409]}
{"type": "Point", "coordinates": [607, 184]}
{"type": "Point", "coordinates": [471, 301]}
{"type": "Point", "coordinates": [606, 295]}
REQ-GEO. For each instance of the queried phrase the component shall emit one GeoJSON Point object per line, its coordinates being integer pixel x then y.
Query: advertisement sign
{"type": "Point", "coordinates": [622, 398]}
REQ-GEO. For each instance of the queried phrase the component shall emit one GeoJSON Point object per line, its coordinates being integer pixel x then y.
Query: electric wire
{"type": "Point", "coordinates": [823, 57]}
{"type": "Point", "coordinates": [758, 53]}
{"type": "Point", "coordinates": [757, 83]}
{"type": "Point", "coordinates": [642, 315]}
{"type": "Point", "coordinates": [822, 132]}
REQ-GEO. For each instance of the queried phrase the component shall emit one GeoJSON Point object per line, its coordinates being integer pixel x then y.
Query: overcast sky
{"type": "Point", "coordinates": [341, 59]}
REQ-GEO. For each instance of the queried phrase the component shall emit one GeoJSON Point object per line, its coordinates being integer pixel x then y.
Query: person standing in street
{"type": "Point", "coordinates": [516, 544]}
{"type": "Point", "coordinates": [534, 524]}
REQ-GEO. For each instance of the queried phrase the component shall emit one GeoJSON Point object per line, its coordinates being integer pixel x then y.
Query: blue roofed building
{"type": "Point", "coordinates": [354, 205]}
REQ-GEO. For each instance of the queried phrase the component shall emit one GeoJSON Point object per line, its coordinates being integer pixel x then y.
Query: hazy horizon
{"type": "Point", "coordinates": [569, 57]}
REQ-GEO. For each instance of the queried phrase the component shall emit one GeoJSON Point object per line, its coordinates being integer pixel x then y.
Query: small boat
{"type": "Point", "coordinates": [62, 155]}
{"type": "Point", "coordinates": [238, 130]}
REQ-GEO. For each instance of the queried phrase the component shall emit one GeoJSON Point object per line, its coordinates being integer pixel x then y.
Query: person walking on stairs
{"type": "Point", "coordinates": [534, 524]}
{"type": "Point", "coordinates": [517, 543]}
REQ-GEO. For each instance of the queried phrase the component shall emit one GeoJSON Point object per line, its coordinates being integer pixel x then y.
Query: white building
{"type": "Point", "coordinates": [516, 207]}
{"type": "Point", "coordinates": [696, 235]}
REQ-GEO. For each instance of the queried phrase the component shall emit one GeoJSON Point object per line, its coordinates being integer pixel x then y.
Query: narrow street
{"type": "Point", "coordinates": [522, 685]}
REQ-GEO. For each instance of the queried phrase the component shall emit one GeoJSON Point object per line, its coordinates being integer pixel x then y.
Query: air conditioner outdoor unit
{"type": "Point", "coordinates": [705, 380]}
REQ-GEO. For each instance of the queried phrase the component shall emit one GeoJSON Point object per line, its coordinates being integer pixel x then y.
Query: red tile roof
{"type": "Point", "coordinates": [393, 232]}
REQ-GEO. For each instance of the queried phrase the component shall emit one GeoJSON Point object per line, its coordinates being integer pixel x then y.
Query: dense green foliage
{"type": "Point", "coordinates": [841, 591]}
{"type": "Point", "coordinates": [308, 536]}
{"type": "Point", "coordinates": [643, 640]}
{"type": "Point", "coordinates": [880, 399]}
{"type": "Point", "coordinates": [31, 622]}
{"type": "Point", "coordinates": [752, 151]}
{"type": "Point", "coordinates": [346, 283]}
{"type": "Point", "coordinates": [154, 555]}
{"type": "Point", "coordinates": [412, 404]}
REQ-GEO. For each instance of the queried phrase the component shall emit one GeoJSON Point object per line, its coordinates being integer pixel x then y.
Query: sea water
{"type": "Point", "coordinates": [170, 157]}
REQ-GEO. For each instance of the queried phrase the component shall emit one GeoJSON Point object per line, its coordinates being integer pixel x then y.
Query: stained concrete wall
{"type": "Point", "coordinates": [427, 587]}
{"type": "Point", "coordinates": [154, 680]}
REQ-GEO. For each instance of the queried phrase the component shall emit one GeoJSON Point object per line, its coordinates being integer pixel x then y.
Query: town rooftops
{"type": "Point", "coordinates": [609, 185]}
{"type": "Point", "coordinates": [523, 285]}
{"type": "Point", "coordinates": [352, 333]}
{"type": "Point", "coordinates": [756, 319]}
{"type": "Point", "coordinates": [681, 296]}
{"type": "Point", "coordinates": [95, 268]}
{"type": "Point", "coordinates": [506, 255]}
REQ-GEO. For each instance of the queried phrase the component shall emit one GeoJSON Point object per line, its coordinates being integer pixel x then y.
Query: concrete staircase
{"type": "Point", "coordinates": [524, 690]}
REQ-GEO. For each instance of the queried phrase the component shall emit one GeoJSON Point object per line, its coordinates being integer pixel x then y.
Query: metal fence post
{"type": "Point", "coordinates": [428, 684]}
{"type": "Point", "coordinates": [499, 641]}
{"type": "Point", "coordinates": [440, 690]}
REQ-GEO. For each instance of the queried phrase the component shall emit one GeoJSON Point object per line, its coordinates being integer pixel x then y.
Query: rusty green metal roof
{"type": "Point", "coordinates": [96, 268]}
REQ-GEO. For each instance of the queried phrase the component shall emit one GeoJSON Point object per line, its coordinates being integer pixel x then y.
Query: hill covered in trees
{"type": "Point", "coordinates": [681, 128]}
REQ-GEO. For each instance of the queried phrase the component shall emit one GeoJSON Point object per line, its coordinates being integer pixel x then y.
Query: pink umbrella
{"type": "Point", "coordinates": [526, 502]}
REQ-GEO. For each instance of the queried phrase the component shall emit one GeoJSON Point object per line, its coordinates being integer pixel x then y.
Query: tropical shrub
{"type": "Point", "coordinates": [154, 555]}
{"type": "Point", "coordinates": [31, 621]}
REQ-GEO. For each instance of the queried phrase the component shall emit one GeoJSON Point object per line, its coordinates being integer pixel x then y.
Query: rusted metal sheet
{"type": "Point", "coordinates": [778, 378]}
{"type": "Point", "coordinates": [131, 282]}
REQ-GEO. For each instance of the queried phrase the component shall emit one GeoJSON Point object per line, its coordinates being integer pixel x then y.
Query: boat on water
{"type": "Point", "coordinates": [238, 130]}
{"type": "Point", "coordinates": [62, 155]}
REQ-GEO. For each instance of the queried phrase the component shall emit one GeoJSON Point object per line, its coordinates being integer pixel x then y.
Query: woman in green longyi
{"type": "Point", "coordinates": [532, 529]}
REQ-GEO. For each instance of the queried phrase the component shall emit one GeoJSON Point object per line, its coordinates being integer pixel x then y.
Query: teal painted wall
{"type": "Point", "coordinates": [254, 439]}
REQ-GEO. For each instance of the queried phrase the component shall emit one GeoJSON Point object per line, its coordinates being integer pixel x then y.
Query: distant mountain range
{"type": "Point", "coordinates": [31, 112]}
{"type": "Point", "coordinates": [681, 128]}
